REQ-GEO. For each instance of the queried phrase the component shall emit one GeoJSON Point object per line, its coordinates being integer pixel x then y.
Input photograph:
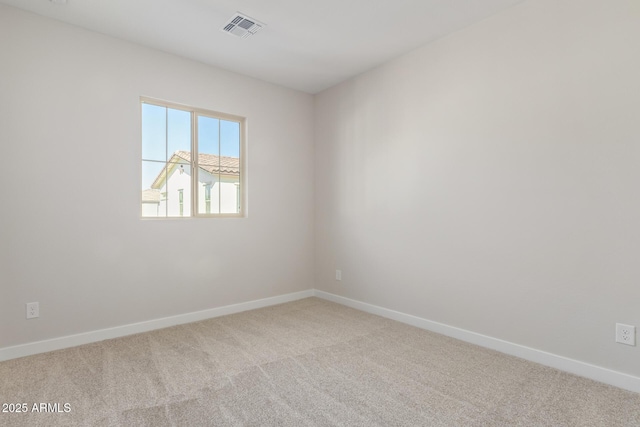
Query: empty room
{"type": "Point", "coordinates": [320, 213]}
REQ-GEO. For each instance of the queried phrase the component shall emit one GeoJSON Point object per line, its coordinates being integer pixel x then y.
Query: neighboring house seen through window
{"type": "Point", "coordinates": [176, 183]}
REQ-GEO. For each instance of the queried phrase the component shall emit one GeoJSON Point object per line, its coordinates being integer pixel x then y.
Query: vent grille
{"type": "Point", "coordinates": [242, 26]}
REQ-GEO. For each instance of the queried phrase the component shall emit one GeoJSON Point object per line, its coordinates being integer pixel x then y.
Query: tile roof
{"type": "Point", "coordinates": [212, 163]}
{"type": "Point", "coordinates": [208, 162]}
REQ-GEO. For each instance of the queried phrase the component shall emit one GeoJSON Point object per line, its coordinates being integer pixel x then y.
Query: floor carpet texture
{"type": "Point", "coordinates": [304, 363]}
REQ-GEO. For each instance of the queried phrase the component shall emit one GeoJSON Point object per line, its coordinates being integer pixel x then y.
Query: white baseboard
{"type": "Point", "coordinates": [135, 328]}
{"type": "Point", "coordinates": [597, 373]}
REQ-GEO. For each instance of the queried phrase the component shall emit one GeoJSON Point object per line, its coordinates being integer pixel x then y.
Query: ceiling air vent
{"type": "Point", "coordinates": [242, 26]}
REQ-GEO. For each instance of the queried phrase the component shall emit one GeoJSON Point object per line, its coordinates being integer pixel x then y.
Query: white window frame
{"type": "Point", "coordinates": [195, 113]}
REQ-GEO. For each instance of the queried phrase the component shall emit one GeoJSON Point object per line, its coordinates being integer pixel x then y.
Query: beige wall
{"type": "Point", "coordinates": [491, 180]}
{"type": "Point", "coordinates": [71, 236]}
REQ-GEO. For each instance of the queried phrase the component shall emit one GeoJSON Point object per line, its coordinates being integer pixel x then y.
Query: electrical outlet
{"type": "Point", "coordinates": [33, 310]}
{"type": "Point", "coordinates": [625, 334]}
{"type": "Point", "coordinates": [338, 275]}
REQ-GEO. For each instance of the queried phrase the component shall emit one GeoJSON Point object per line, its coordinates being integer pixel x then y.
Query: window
{"type": "Point", "coordinates": [207, 197]}
{"type": "Point", "coordinates": [181, 201]}
{"type": "Point", "coordinates": [175, 183]}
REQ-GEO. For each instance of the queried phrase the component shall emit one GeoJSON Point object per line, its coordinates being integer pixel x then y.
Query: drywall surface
{"type": "Point", "coordinates": [71, 236]}
{"type": "Point", "coordinates": [490, 181]}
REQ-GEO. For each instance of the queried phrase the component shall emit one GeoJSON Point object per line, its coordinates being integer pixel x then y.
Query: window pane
{"type": "Point", "coordinates": [209, 165]}
{"type": "Point", "coordinates": [178, 201]}
{"type": "Point", "coordinates": [230, 194]}
{"type": "Point", "coordinates": [229, 167]}
{"type": "Point", "coordinates": [178, 187]}
{"type": "Point", "coordinates": [154, 136]}
{"type": "Point", "coordinates": [208, 184]}
{"type": "Point", "coordinates": [230, 138]}
{"type": "Point", "coordinates": [208, 135]}
{"type": "Point", "coordinates": [152, 172]}
{"type": "Point", "coordinates": [178, 131]}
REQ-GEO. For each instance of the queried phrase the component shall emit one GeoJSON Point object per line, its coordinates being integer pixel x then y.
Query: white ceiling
{"type": "Point", "coordinates": [307, 45]}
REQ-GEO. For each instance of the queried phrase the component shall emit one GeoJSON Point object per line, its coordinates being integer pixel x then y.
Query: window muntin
{"type": "Point", "coordinates": [170, 133]}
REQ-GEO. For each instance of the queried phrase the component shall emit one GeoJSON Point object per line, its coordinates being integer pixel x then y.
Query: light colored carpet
{"type": "Point", "coordinates": [305, 363]}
